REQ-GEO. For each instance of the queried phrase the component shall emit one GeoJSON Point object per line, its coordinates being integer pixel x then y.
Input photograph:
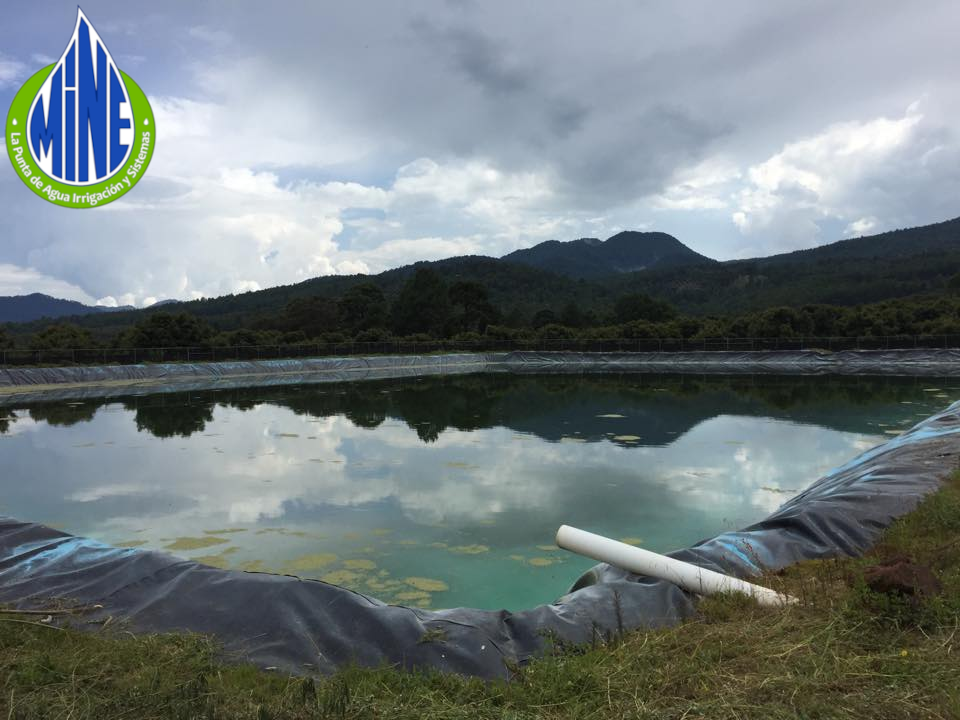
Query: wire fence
{"type": "Point", "coordinates": [127, 356]}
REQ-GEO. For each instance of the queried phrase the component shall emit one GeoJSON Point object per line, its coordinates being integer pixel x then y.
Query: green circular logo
{"type": "Point", "coordinates": [81, 133]}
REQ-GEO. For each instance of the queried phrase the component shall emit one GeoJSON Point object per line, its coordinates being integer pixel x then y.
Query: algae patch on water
{"type": "Point", "coordinates": [359, 564]}
{"type": "Point", "coordinates": [253, 566]}
{"type": "Point", "coordinates": [427, 584]}
{"type": "Point", "coordinates": [470, 549]}
{"type": "Point", "coordinates": [224, 532]}
{"type": "Point", "coordinates": [341, 577]}
{"type": "Point", "coordinates": [131, 544]}
{"type": "Point", "coordinates": [315, 561]}
{"type": "Point", "coordinates": [541, 561]}
{"type": "Point", "coordinates": [195, 543]}
{"type": "Point", "coordinates": [221, 561]}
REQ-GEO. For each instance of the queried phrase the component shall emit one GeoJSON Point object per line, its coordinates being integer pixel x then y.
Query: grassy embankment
{"type": "Point", "coordinates": [844, 652]}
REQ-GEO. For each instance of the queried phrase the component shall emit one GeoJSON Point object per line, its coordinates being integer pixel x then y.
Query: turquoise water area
{"type": "Point", "coordinates": [440, 492]}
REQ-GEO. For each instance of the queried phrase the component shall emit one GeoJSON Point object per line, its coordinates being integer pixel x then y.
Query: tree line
{"type": "Point", "coordinates": [428, 308]}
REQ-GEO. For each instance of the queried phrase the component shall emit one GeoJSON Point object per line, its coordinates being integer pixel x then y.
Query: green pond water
{"type": "Point", "coordinates": [440, 492]}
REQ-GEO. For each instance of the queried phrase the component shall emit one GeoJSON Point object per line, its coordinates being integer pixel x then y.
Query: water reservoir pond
{"type": "Point", "coordinates": [445, 491]}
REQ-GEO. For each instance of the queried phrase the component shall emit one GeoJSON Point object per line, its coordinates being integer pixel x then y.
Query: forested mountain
{"type": "Point", "coordinates": [625, 252]}
{"type": "Point", "coordinates": [891, 265]}
{"type": "Point", "coordinates": [860, 270]}
{"type": "Point", "coordinates": [24, 308]}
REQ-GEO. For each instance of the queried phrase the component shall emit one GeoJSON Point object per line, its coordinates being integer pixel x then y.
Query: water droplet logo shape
{"type": "Point", "coordinates": [81, 133]}
{"type": "Point", "coordinates": [80, 125]}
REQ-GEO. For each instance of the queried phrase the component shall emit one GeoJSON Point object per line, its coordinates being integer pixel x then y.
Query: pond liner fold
{"type": "Point", "coordinates": [306, 626]}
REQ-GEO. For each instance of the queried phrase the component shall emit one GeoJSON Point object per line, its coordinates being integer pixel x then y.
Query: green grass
{"type": "Point", "coordinates": [843, 652]}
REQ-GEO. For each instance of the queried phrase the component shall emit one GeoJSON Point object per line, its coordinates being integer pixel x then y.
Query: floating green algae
{"type": "Point", "coordinates": [427, 584]}
{"type": "Point", "coordinates": [341, 577]}
{"type": "Point", "coordinates": [221, 561]}
{"type": "Point", "coordinates": [632, 540]}
{"type": "Point", "coordinates": [314, 561]}
{"type": "Point", "coordinates": [626, 438]}
{"type": "Point", "coordinates": [224, 532]}
{"type": "Point", "coordinates": [130, 544]}
{"type": "Point", "coordinates": [360, 564]}
{"type": "Point", "coordinates": [252, 566]}
{"type": "Point", "coordinates": [548, 548]}
{"type": "Point", "coordinates": [469, 549]}
{"type": "Point", "coordinates": [413, 595]}
{"type": "Point", "coordinates": [195, 543]}
{"type": "Point", "coordinates": [541, 561]}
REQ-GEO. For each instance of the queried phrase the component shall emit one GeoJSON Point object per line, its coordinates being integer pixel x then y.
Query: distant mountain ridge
{"type": "Point", "coordinates": [627, 251]}
{"type": "Point", "coordinates": [37, 306]}
{"type": "Point", "coordinates": [890, 265]}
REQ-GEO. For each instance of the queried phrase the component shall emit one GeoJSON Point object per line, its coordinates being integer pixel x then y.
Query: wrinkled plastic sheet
{"type": "Point", "coordinates": [939, 362]}
{"type": "Point", "coordinates": [24, 385]}
{"type": "Point", "coordinates": [309, 626]}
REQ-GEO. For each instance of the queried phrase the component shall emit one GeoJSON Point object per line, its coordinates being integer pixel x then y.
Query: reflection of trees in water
{"type": "Point", "coordinates": [64, 415]}
{"type": "Point", "coordinates": [429, 408]}
{"type": "Point", "coordinates": [174, 415]}
{"type": "Point", "coordinates": [666, 405]}
{"type": "Point", "coordinates": [5, 422]}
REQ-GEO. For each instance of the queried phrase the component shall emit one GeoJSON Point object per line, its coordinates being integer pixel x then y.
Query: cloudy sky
{"type": "Point", "coordinates": [298, 139]}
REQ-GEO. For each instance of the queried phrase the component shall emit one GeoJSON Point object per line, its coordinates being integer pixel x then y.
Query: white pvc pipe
{"type": "Point", "coordinates": [643, 562]}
